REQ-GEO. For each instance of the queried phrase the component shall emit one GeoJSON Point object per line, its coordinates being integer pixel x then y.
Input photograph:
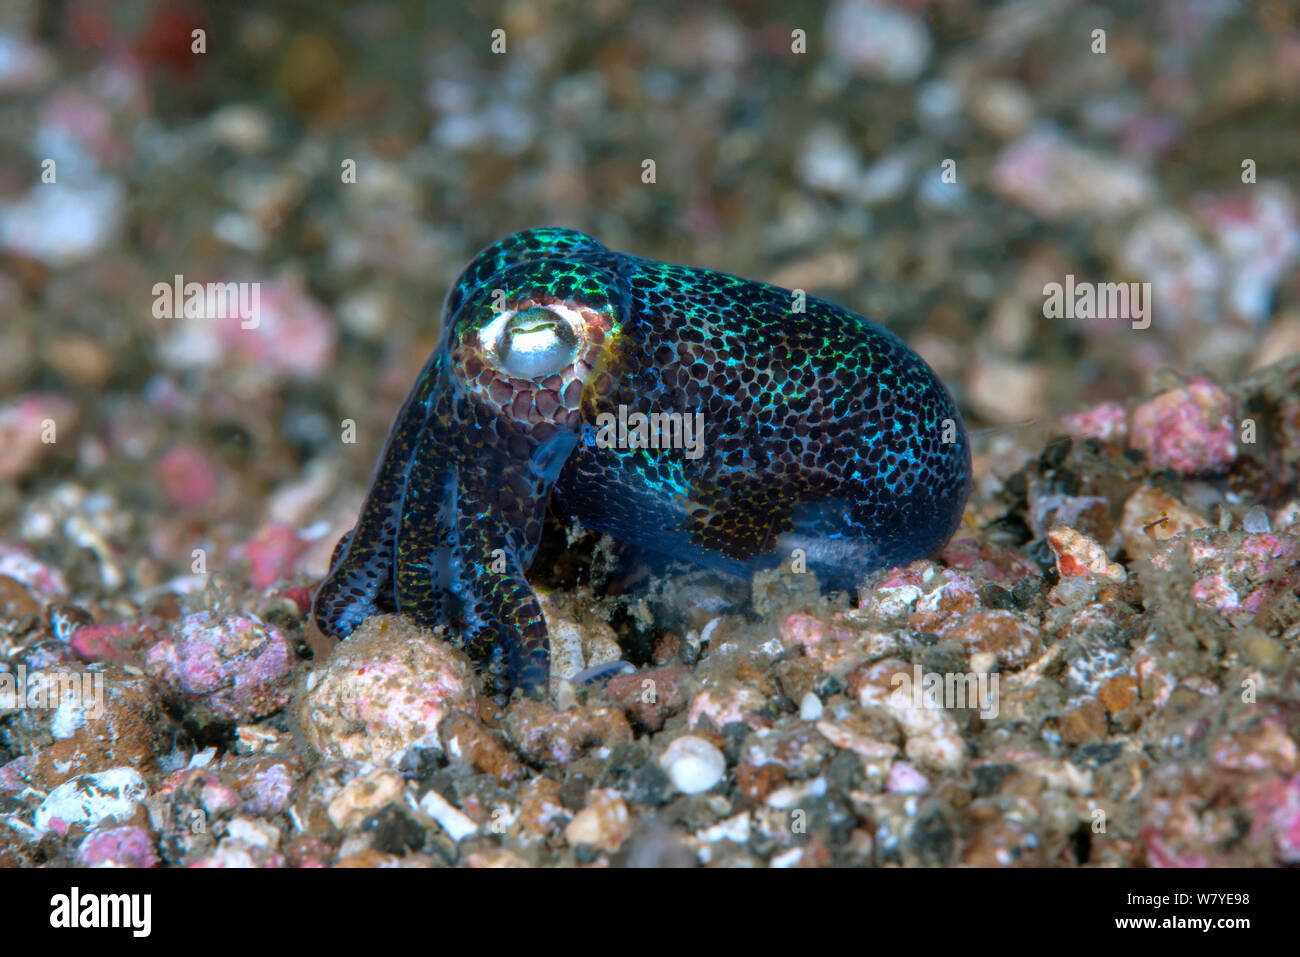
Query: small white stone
{"type": "Point", "coordinates": [63, 226]}
{"type": "Point", "coordinates": [90, 798]}
{"type": "Point", "coordinates": [1256, 521]}
{"type": "Point", "coordinates": [787, 858]}
{"type": "Point", "coordinates": [732, 829]}
{"type": "Point", "coordinates": [693, 764]}
{"type": "Point", "coordinates": [67, 719]}
{"type": "Point", "coordinates": [707, 633]}
{"type": "Point", "coordinates": [241, 126]}
{"type": "Point", "coordinates": [810, 708]}
{"type": "Point", "coordinates": [253, 833]}
{"type": "Point", "coordinates": [793, 795]}
{"type": "Point", "coordinates": [457, 825]}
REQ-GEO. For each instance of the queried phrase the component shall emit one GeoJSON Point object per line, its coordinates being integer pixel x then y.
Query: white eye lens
{"type": "Point", "coordinates": [536, 342]}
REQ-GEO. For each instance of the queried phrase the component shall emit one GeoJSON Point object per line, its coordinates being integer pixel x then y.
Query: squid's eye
{"type": "Point", "coordinates": [536, 342]}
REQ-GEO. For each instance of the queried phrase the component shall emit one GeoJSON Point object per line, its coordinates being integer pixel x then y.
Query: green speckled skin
{"type": "Point", "coordinates": [822, 432]}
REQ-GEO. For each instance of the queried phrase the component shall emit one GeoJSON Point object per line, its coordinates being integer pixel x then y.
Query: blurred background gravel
{"type": "Point", "coordinates": [820, 170]}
